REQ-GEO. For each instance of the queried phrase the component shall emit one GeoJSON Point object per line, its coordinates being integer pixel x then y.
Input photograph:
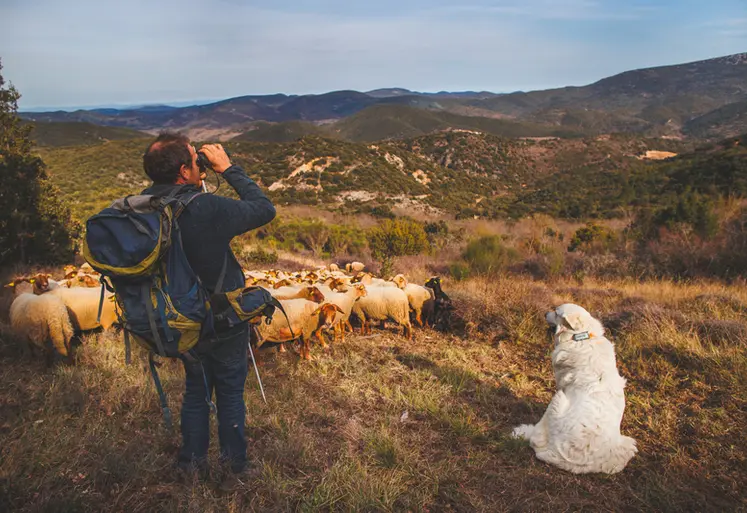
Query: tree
{"type": "Point", "coordinates": [35, 227]}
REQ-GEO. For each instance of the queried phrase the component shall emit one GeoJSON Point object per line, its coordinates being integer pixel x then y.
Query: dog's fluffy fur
{"type": "Point", "coordinates": [580, 431]}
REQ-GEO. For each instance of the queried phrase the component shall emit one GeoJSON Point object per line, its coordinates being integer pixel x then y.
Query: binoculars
{"type": "Point", "coordinates": [203, 163]}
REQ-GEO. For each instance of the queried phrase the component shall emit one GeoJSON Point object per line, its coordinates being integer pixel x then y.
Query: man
{"type": "Point", "coordinates": [207, 225]}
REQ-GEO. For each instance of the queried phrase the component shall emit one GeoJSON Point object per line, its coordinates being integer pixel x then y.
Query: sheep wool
{"type": "Point", "coordinates": [37, 319]}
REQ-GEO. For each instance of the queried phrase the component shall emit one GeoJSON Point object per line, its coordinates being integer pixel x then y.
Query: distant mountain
{"type": "Point", "coordinates": [655, 101]}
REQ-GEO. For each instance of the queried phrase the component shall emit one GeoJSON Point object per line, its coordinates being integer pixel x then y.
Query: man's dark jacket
{"type": "Point", "coordinates": [210, 222]}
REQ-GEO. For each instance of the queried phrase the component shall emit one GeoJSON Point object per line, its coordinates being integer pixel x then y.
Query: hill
{"type": "Point", "coordinates": [78, 133]}
{"type": "Point", "coordinates": [727, 121]}
{"type": "Point", "coordinates": [287, 131]}
{"type": "Point", "coordinates": [400, 122]}
{"type": "Point", "coordinates": [454, 172]}
{"type": "Point", "coordinates": [652, 101]}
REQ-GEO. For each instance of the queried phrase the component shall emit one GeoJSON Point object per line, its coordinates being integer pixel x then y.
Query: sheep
{"type": "Point", "coordinates": [309, 293]}
{"type": "Point", "coordinates": [422, 300]}
{"type": "Point", "coordinates": [306, 320]}
{"type": "Point", "coordinates": [355, 267]}
{"type": "Point", "coordinates": [334, 267]}
{"type": "Point", "coordinates": [382, 303]}
{"type": "Point", "coordinates": [345, 302]}
{"type": "Point", "coordinates": [40, 319]}
{"type": "Point", "coordinates": [82, 303]}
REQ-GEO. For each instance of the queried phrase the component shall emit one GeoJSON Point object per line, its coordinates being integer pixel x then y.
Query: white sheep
{"type": "Point", "coordinates": [306, 320]}
{"type": "Point", "coordinates": [420, 298]}
{"type": "Point", "coordinates": [39, 319]}
{"type": "Point", "coordinates": [355, 267]}
{"type": "Point", "coordinates": [345, 301]}
{"type": "Point", "coordinates": [381, 304]}
{"type": "Point", "coordinates": [81, 302]}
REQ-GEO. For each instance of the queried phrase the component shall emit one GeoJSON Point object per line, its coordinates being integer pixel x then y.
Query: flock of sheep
{"type": "Point", "coordinates": [47, 313]}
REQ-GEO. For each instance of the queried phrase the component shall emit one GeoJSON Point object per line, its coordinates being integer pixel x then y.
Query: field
{"type": "Point", "coordinates": [382, 424]}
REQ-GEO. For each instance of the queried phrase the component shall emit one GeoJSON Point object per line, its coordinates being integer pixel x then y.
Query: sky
{"type": "Point", "coordinates": [78, 53]}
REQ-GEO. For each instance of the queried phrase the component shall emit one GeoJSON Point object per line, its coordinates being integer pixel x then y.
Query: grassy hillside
{"type": "Point", "coordinates": [380, 423]}
{"type": "Point", "coordinates": [457, 172]}
{"type": "Point", "coordinates": [401, 121]}
{"type": "Point", "coordinates": [288, 131]}
{"type": "Point", "coordinates": [91, 177]}
{"type": "Point", "coordinates": [79, 133]}
{"type": "Point", "coordinates": [727, 121]}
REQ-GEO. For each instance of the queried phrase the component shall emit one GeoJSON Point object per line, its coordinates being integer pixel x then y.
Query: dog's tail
{"type": "Point", "coordinates": [620, 455]}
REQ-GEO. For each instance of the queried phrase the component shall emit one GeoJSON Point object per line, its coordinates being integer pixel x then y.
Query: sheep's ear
{"type": "Point", "coordinates": [317, 311]}
{"type": "Point", "coordinates": [573, 321]}
{"type": "Point", "coordinates": [32, 280]}
{"type": "Point", "coordinates": [11, 284]}
{"type": "Point", "coordinates": [339, 309]}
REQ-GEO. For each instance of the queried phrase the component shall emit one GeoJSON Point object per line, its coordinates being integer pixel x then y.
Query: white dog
{"type": "Point", "coordinates": [580, 431]}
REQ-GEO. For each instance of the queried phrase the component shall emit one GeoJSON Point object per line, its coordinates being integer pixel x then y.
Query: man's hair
{"type": "Point", "coordinates": [165, 157]}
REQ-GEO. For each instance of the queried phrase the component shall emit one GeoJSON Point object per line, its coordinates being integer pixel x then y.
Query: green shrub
{"type": "Point", "coordinates": [397, 237]}
{"type": "Point", "coordinates": [459, 271]}
{"type": "Point", "coordinates": [592, 237]}
{"type": "Point", "coordinates": [489, 255]}
{"type": "Point", "coordinates": [260, 256]}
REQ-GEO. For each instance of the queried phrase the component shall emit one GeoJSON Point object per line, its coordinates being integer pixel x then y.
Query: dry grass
{"type": "Point", "coordinates": [381, 423]}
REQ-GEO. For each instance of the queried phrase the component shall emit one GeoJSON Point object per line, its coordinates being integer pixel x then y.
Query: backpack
{"type": "Point", "coordinates": [136, 245]}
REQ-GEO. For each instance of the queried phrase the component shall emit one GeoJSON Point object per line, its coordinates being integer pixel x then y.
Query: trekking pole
{"type": "Point", "coordinates": [256, 371]}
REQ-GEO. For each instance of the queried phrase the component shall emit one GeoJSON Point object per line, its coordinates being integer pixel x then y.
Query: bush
{"type": "Point", "coordinates": [260, 256]}
{"type": "Point", "coordinates": [593, 238]}
{"type": "Point", "coordinates": [459, 271]}
{"type": "Point", "coordinates": [489, 255]}
{"type": "Point", "coordinates": [397, 237]}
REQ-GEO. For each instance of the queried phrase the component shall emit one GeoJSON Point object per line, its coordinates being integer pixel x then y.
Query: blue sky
{"type": "Point", "coordinates": [102, 52]}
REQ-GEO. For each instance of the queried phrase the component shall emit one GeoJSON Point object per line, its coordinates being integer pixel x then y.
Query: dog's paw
{"type": "Point", "coordinates": [524, 431]}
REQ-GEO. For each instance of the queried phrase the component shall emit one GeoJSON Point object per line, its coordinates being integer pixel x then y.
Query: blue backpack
{"type": "Point", "coordinates": [136, 245]}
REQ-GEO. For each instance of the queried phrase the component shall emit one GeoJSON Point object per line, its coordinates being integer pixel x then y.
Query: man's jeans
{"type": "Point", "coordinates": [225, 364]}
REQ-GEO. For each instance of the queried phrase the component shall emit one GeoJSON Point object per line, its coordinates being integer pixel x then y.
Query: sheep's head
{"type": "Point", "coordinates": [364, 278]}
{"type": "Point", "coordinates": [338, 285]}
{"type": "Point", "coordinates": [433, 283]}
{"type": "Point", "coordinates": [360, 291]}
{"type": "Point", "coordinates": [282, 283]}
{"type": "Point", "coordinates": [400, 281]}
{"type": "Point", "coordinates": [327, 313]}
{"type": "Point", "coordinates": [88, 280]}
{"type": "Point", "coordinates": [70, 271]}
{"type": "Point", "coordinates": [40, 282]}
{"type": "Point", "coordinates": [313, 294]}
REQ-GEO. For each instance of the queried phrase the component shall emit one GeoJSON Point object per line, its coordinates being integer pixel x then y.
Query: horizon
{"type": "Point", "coordinates": [86, 55]}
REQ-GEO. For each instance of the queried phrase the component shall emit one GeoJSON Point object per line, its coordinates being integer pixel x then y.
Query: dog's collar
{"type": "Point", "coordinates": [584, 335]}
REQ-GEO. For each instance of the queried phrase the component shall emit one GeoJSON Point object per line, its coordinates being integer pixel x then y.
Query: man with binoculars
{"type": "Point", "coordinates": [207, 225]}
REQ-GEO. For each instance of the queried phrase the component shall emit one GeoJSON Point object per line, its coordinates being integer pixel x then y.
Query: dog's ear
{"type": "Point", "coordinates": [573, 321]}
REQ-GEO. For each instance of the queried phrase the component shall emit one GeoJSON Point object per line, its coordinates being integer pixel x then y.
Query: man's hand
{"type": "Point", "coordinates": [217, 157]}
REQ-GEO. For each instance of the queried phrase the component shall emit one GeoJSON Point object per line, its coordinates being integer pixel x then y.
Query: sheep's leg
{"type": "Point", "coordinates": [281, 348]}
{"type": "Point", "coordinates": [418, 318]}
{"type": "Point", "coordinates": [320, 336]}
{"type": "Point", "coordinates": [407, 331]}
{"type": "Point", "coordinates": [306, 348]}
